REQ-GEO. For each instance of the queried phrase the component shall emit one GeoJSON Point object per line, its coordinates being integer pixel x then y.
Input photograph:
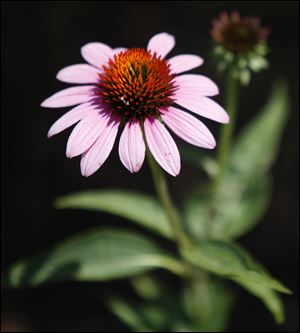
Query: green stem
{"type": "Point", "coordinates": [164, 196]}
{"type": "Point", "coordinates": [231, 103]}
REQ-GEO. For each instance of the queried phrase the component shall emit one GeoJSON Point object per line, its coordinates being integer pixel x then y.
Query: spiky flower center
{"type": "Point", "coordinates": [136, 83]}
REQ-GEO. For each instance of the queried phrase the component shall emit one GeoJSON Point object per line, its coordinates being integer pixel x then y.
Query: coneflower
{"type": "Point", "coordinates": [139, 91]}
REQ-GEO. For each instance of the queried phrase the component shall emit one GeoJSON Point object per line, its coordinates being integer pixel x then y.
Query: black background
{"type": "Point", "coordinates": [38, 39]}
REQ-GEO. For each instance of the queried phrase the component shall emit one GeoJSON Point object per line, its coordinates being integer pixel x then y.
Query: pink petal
{"type": "Point", "coordinates": [184, 62]}
{"type": "Point", "coordinates": [70, 96]}
{"type": "Point", "coordinates": [81, 73]}
{"type": "Point", "coordinates": [193, 83]}
{"type": "Point", "coordinates": [92, 160]}
{"type": "Point", "coordinates": [162, 146]}
{"type": "Point", "coordinates": [203, 106]}
{"type": "Point", "coordinates": [72, 117]}
{"type": "Point", "coordinates": [132, 146]}
{"type": "Point", "coordinates": [188, 128]}
{"type": "Point", "coordinates": [161, 43]}
{"type": "Point", "coordinates": [85, 134]}
{"type": "Point", "coordinates": [96, 54]}
{"type": "Point", "coordinates": [119, 49]}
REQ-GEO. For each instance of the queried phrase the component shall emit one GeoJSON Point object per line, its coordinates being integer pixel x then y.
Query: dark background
{"type": "Point", "coordinates": [38, 39]}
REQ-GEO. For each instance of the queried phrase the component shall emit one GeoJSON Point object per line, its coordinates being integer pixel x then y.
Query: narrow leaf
{"type": "Point", "coordinates": [97, 255]}
{"type": "Point", "coordinates": [137, 207]}
{"type": "Point", "coordinates": [258, 144]}
{"type": "Point", "coordinates": [231, 261]}
{"type": "Point", "coordinates": [268, 296]}
{"type": "Point", "coordinates": [129, 314]}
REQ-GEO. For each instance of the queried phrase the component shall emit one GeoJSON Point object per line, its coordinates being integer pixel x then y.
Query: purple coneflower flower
{"type": "Point", "coordinates": [239, 35]}
{"type": "Point", "coordinates": [240, 45]}
{"type": "Point", "coordinates": [140, 91]}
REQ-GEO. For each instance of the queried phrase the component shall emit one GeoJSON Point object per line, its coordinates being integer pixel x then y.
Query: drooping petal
{"type": "Point", "coordinates": [188, 128]}
{"type": "Point", "coordinates": [184, 62]}
{"type": "Point", "coordinates": [69, 97]}
{"type": "Point", "coordinates": [161, 43]}
{"type": "Point", "coordinates": [81, 73]}
{"type": "Point", "coordinates": [72, 117]}
{"type": "Point", "coordinates": [85, 134]}
{"type": "Point", "coordinates": [162, 146]}
{"type": "Point", "coordinates": [96, 54]}
{"type": "Point", "coordinates": [132, 146]}
{"type": "Point", "coordinates": [193, 83]}
{"type": "Point", "coordinates": [203, 106]}
{"type": "Point", "coordinates": [93, 159]}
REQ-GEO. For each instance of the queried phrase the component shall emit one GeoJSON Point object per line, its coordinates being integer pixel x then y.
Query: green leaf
{"type": "Point", "coordinates": [244, 191]}
{"type": "Point", "coordinates": [146, 286]}
{"type": "Point", "coordinates": [161, 307]}
{"type": "Point", "coordinates": [145, 316]}
{"type": "Point", "coordinates": [236, 213]}
{"type": "Point", "coordinates": [243, 207]}
{"type": "Point", "coordinates": [208, 303]}
{"type": "Point", "coordinates": [97, 255]}
{"type": "Point", "coordinates": [257, 145]}
{"type": "Point", "coordinates": [130, 315]}
{"type": "Point", "coordinates": [157, 314]}
{"type": "Point", "coordinates": [231, 261]}
{"type": "Point", "coordinates": [135, 206]}
{"type": "Point", "coordinates": [196, 214]}
{"type": "Point", "coordinates": [268, 296]}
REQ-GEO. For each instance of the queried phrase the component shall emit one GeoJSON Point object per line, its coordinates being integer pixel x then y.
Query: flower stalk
{"type": "Point", "coordinates": [166, 201]}
{"type": "Point", "coordinates": [231, 102]}
{"type": "Point", "coordinates": [223, 152]}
